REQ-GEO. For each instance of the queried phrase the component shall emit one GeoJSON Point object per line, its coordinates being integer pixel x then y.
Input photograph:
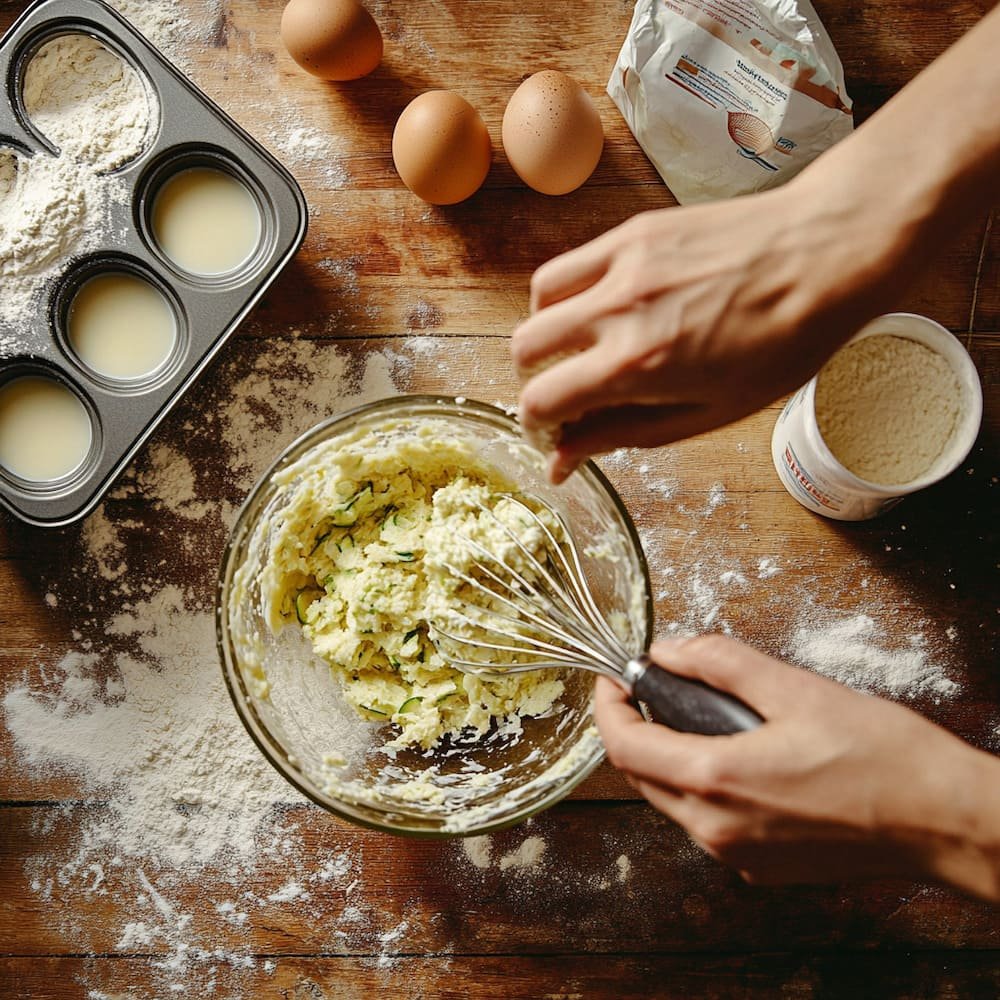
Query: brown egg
{"type": "Point", "coordinates": [441, 147]}
{"type": "Point", "coordinates": [552, 133]}
{"type": "Point", "coordinates": [332, 39]}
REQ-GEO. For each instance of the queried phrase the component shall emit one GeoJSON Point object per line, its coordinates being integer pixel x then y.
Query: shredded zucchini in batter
{"type": "Point", "coordinates": [356, 560]}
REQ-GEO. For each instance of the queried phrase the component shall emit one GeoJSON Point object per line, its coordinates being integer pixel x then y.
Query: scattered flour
{"type": "Point", "coordinates": [170, 480]}
{"type": "Point", "coordinates": [703, 582]}
{"type": "Point", "coordinates": [103, 545]}
{"type": "Point", "coordinates": [288, 892]}
{"type": "Point", "coordinates": [288, 390]}
{"type": "Point", "coordinates": [478, 850]}
{"type": "Point", "coordinates": [766, 568]}
{"type": "Point", "coordinates": [704, 592]}
{"type": "Point", "coordinates": [311, 148]}
{"type": "Point", "coordinates": [624, 865]}
{"type": "Point", "coordinates": [230, 914]}
{"type": "Point", "coordinates": [526, 857]}
{"type": "Point", "coordinates": [186, 784]}
{"type": "Point", "coordinates": [629, 461]}
{"type": "Point", "coordinates": [303, 141]}
{"type": "Point", "coordinates": [388, 939]}
{"type": "Point", "coordinates": [135, 936]}
{"type": "Point", "coordinates": [854, 651]}
{"type": "Point", "coordinates": [170, 27]}
{"type": "Point", "coordinates": [716, 498]}
{"type": "Point", "coordinates": [424, 316]}
{"type": "Point", "coordinates": [344, 271]}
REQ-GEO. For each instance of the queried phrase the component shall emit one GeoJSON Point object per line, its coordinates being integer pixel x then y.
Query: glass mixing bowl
{"type": "Point", "coordinates": [294, 708]}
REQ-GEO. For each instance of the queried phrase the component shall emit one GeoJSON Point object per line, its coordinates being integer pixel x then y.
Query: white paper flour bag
{"type": "Point", "coordinates": [727, 97]}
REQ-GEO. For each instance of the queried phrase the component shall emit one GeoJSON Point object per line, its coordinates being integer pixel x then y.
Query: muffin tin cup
{"type": "Point", "coordinates": [60, 486]}
{"type": "Point", "coordinates": [191, 131]}
{"type": "Point", "coordinates": [101, 265]}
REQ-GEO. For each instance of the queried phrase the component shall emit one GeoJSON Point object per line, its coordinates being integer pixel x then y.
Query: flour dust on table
{"type": "Point", "coordinates": [128, 707]}
{"type": "Point", "coordinates": [135, 712]}
{"type": "Point", "coordinates": [172, 28]}
{"type": "Point", "coordinates": [703, 581]}
{"type": "Point", "coordinates": [855, 650]}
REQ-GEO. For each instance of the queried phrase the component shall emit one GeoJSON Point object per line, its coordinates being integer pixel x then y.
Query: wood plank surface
{"type": "Point", "coordinates": [617, 901]}
{"type": "Point", "coordinates": [674, 898]}
{"type": "Point", "coordinates": [800, 976]}
{"type": "Point", "coordinates": [452, 285]}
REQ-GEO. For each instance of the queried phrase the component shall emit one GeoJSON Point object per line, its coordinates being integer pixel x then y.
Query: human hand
{"type": "Point", "coordinates": [835, 785]}
{"type": "Point", "coordinates": [683, 319]}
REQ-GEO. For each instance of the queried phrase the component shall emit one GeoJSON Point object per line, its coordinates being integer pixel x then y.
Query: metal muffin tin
{"type": "Point", "coordinates": [192, 131]}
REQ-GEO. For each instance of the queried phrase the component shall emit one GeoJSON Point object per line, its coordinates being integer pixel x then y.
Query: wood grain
{"type": "Point", "coordinates": [448, 282]}
{"type": "Point", "coordinates": [798, 976]}
{"type": "Point", "coordinates": [573, 900]}
{"type": "Point", "coordinates": [440, 289]}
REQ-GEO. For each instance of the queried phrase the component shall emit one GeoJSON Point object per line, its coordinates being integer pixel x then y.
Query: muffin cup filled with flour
{"type": "Point", "coordinates": [896, 409]}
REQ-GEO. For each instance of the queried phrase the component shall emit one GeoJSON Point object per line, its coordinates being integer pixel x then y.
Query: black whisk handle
{"type": "Point", "coordinates": [687, 705]}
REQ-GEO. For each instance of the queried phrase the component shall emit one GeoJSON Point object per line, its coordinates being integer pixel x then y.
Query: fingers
{"type": "Point", "coordinates": [764, 683]}
{"type": "Point", "coordinates": [561, 467]}
{"type": "Point", "coordinates": [650, 752]}
{"type": "Point", "coordinates": [631, 426]}
{"type": "Point", "coordinates": [572, 272]}
{"type": "Point", "coordinates": [560, 329]}
{"type": "Point", "coordinates": [571, 388]}
{"type": "Point", "coordinates": [612, 705]}
{"type": "Point", "coordinates": [703, 765]}
{"type": "Point", "coordinates": [677, 806]}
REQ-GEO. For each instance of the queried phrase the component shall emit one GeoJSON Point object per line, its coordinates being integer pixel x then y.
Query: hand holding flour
{"type": "Point", "coordinates": [680, 320]}
{"type": "Point", "coordinates": [834, 785]}
{"type": "Point", "coordinates": [684, 319]}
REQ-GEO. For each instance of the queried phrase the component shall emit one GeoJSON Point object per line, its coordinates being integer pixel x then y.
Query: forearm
{"type": "Point", "coordinates": [918, 170]}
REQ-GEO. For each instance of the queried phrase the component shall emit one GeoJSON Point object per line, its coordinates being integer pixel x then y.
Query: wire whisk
{"type": "Point", "coordinates": [538, 611]}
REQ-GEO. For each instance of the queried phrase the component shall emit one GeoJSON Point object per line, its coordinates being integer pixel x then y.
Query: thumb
{"type": "Point", "coordinates": [634, 425]}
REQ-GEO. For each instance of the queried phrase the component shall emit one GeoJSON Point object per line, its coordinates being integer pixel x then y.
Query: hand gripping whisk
{"type": "Point", "coordinates": [545, 615]}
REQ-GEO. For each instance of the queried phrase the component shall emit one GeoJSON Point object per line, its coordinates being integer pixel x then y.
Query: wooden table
{"type": "Point", "coordinates": [439, 289]}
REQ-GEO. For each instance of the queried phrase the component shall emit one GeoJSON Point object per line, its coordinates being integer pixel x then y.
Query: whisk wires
{"type": "Point", "coordinates": [541, 615]}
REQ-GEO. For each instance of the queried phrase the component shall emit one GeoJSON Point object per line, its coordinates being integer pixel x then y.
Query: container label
{"type": "Point", "coordinates": [802, 482]}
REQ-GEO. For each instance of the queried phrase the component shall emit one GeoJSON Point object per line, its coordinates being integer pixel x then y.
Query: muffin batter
{"type": "Point", "coordinates": [356, 559]}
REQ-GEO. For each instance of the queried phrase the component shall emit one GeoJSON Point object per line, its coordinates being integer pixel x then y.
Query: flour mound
{"type": "Point", "coordinates": [159, 734]}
